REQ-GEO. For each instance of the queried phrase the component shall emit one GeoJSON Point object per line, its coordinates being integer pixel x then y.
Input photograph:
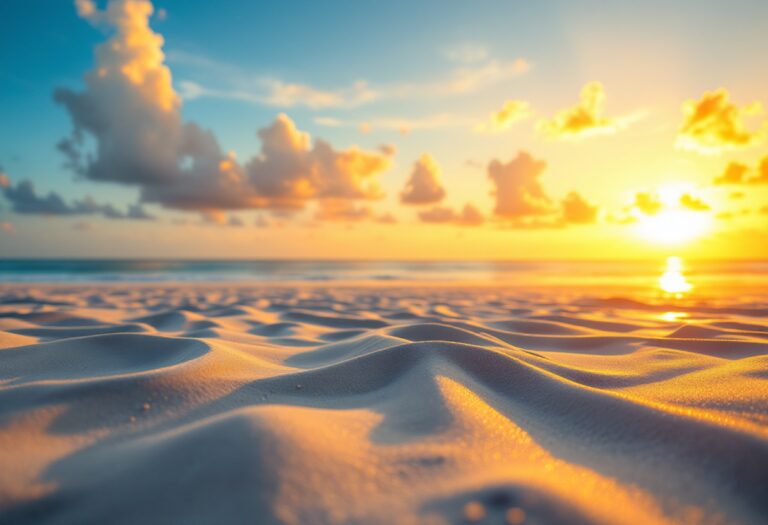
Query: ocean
{"type": "Point", "coordinates": [626, 273]}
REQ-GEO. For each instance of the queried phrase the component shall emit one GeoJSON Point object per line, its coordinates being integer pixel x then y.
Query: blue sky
{"type": "Point", "coordinates": [650, 56]}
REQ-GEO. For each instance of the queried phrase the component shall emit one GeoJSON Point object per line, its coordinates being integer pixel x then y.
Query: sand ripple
{"type": "Point", "coordinates": [371, 405]}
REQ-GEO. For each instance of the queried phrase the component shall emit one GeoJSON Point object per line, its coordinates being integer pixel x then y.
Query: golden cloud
{"type": "Point", "coordinates": [576, 209]}
{"type": "Point", "coordinates": [739, 173]}
{"type": "Point", "coordinates": [586, 119]}
{"type": "Point", "coordinates": [468, 216]}
{"type": "Point", "coordinates": [424, 185]}
{"type": "Point", "coordinates": [714, 124]}
{"type": "Point", "coordinates": [511, 112]}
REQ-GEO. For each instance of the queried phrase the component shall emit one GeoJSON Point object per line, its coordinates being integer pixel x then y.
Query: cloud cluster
{"type": "Point", "coordinates": [518, 192]}
{"type": "Point", "coordinates": [468, 216]}
{"type": "Point", "coordinates": [424, 185]}
{"type": "Point", "coordinates": [714, 124]}
{"type": "Point", "coordinates": [651, 203]}
{"type": "Point", "coordinates": [522, 202]}
{"type": "Point", "coordinates": [512, 111]}
{"type": "Point", "coordinates": [585, 119]}
{"type": "Point", "coordinates": [132, 114]}
{"type": "Point", "coordinates": [24, 199]}
{"type": "Point", "coordinates": [739, 173]}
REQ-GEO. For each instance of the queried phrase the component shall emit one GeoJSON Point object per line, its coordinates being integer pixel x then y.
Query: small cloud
{"type": "Point", "coordinates": [469, 216]}
{"type": "Point", "coordinates": [401, 125]}
{"type": "Point", "coordinates": [424, 185]}
{"type": "Point", "coordinates": [714, 124]}
{"type": "Point", "coordinates": [648, 203]}
{"type": "Point", "coordinates": [517, 189]}
{"type": "Point", "coordinates": [25, 200]}
{"type": "Point", "coordinates": [512, 111]}
{"type": "Point", "coordinates": [734, 174]}
{"type": "Point", "coordinates": [576, 210]}
{"type": "Point", "coordinates": [388, 149]}
{"type": "Point", "coordinates": [341, 211]}
{"type": "Point", "coordinates": [738, 173]}
{"type": "Point", "coordinates": [586, 119]}
{"type": "Point", "coordinates": [735, 195]}
{"type": "Point", "coordinates": [82, 226]}
{"type": "Point", "coordinates": [329, 122]}
{"type": "Point", "coordinates": [692, 203]}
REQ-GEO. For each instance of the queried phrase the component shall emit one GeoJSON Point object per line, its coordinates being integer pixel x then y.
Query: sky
{"type": "Point", "coordinates": [386, 130]}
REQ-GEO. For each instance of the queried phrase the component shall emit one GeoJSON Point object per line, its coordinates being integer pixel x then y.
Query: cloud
{"type": "Point", "coordinates": [586, 119]}
{"type": "Point", "coordinates": [424, 185]}
{"type": "Point", "coordinates": [469, 216]}
{"type": "Point", "coordinates": [739, 173]}
{"type": "Point", "coordinates": [692, 203]}
{"type": "Point", "coordinates": [714, 124]}
{"type": "Point", "coordinates": [512, 111]}
{"type": "Point", "coordinates": [403, 125]}
{"type": "Point", "coordinates": [576, 210]}
{"type": "Point", "coordinates": [131, 111]}
{"type": "Point", "coordinates": [279, 94]}
{"type": "Point", "coordinates": [463, 80]}
{"type": "Point", "coordinates": [24, 199]}
{"type": "Point", "coordinates": [475, 70]}
{"type": "Point", "coordinates": [340, 210]}
{"type": "Point", "coordinates": [648, 203]}
{"type": "Point", "coordinates": [517, 189]}
{"type": "Point", "coordinates": [734, 174]}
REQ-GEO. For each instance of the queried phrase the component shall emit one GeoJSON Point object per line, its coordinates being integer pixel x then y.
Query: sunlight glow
{"type": "Point", "coordinates": [672, 281]}
{"type": "Point", "coordinates": [674, 226]}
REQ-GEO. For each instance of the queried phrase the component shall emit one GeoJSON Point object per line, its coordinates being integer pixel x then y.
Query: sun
{"type": "Point", "coordinates": [673, 224]}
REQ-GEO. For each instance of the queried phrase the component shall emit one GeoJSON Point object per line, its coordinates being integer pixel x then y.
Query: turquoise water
{"type": "Point", "coordinates": [550, 272]}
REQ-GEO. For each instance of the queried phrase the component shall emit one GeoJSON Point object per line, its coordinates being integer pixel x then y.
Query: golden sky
{"type": "Point", "coordinates": [635, 146]}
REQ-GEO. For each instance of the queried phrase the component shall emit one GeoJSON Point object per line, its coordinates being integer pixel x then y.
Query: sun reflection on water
{"type": "Point", "coordinates": [673, 281]}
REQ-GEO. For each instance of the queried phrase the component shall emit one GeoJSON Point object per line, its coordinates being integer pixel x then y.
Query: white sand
{"type": "Point", "coordinates": [202, 404]}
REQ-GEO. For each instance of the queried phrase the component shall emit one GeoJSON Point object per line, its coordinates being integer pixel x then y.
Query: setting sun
{"type": "Point", "coordinates": [674, 226]}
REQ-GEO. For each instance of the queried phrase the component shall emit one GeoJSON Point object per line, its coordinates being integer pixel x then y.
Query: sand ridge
{"type": "Point", "coordinates": [247, 404]}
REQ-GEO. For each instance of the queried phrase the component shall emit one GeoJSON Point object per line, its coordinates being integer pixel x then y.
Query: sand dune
{"type": "Point", "coordinates": [239, 404]}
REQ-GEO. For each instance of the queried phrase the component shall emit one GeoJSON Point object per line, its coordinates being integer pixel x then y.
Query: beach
{"type": "Point", "coordinates": [380, 403]}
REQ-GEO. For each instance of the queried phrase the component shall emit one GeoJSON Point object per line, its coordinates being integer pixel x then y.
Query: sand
{"type": "Point", "coordinates": [346, 404]}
